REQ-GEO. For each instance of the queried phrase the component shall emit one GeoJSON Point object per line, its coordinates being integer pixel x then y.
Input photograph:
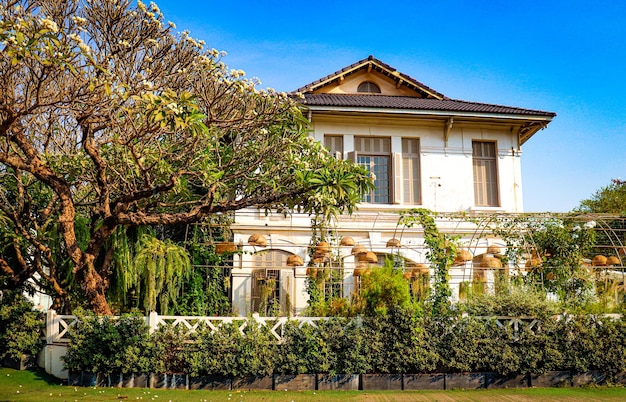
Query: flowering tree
{"type": "Point", "coordinates": [108, 118]}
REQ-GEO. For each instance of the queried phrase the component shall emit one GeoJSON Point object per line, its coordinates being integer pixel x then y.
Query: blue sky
{"type": "Point", "coordinates": [567, 57]}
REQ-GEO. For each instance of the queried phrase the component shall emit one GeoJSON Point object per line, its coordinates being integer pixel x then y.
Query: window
{"type": "Point", "coordinates": [485, 174]}
{"type": "Point", "coordinates": [334, 143]}
{"type": "Point", "coordinates": [272, 283]}
{"type": "Point", "coordinates": [374, 154]}
{"type": "Point", "coordinates": [368, 87]}
{"type": "Point", "coordinates": [411, 171]}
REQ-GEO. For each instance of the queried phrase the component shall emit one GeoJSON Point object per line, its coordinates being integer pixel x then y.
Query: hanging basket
{"type": "Point", "coordinates": [320, 258]}
{"type": "Point", "coordinates": [491, 262]}
{"type": "Point", "coordinates": [368, 257]}
{"type": "Point", "coordinates": [599, 261]}
{"type": "Point", "coordinates": [322, 247]}
{"type": "Point", "coordinates": [257, 240]}
{"type": "Point", "coordinates": [493, 249]}
{"type": "Point", "coordinates": [462, 257]}
{"type": "Point", "coordinates": [347, 241]}
{"type": "Point", "coordinates": [393, 243]}
{"type": "Point", "coordinates": [358, 249]}
{"type": "Point", "coordinates": [295, 261]}
{"type": "Point", "coordinates": [225, 247]}
{"type": "Point", "coordinates": [613, 260]}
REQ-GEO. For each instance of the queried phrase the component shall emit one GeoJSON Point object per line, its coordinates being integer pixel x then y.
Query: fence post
{"type": "Point", "coordinates": [52, 327]}
{"type": "Point", "coordinates": [153, 321]}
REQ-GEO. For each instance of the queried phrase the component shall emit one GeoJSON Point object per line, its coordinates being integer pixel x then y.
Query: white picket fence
{"type": "Point", "coordinates": [58, 326]}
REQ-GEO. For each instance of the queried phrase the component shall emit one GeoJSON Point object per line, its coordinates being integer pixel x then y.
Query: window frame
{"type": "Point", "coordinates": [486, 192]}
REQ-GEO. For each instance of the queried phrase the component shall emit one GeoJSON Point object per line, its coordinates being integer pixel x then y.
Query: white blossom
{"type": "Point", "coordinates": [590, 225]}
{"type": "Point", "coordinates": [49, 25]}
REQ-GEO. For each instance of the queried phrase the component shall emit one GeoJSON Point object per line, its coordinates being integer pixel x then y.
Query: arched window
{"type": "Point", "coordinates": [368, 87]}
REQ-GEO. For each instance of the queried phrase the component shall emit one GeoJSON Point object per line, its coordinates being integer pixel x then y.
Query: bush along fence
{"type": "Point", "coordinates": [399, 351]}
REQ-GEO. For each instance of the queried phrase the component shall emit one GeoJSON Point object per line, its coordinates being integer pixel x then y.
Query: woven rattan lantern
{"type": "Point", "coordinates": [491, 262]}
{"type": "Point", "coordinates": [462, 257]}
{"type": "Point", "coordinates": [257, 240]}
{"type": "Point", "coordinates": [361, 270]}
{"type": "Point", "coordinates": [393, 243]}
{"type": "Point", "coordinates": [407, 275]}
{"type": "Point", "coordinates": [369, 257]}
{"type": "Point", "coordinates": [320, 258]}
{"type": "Point", "coordinates": [295, 261]}
{"type": "Point", "coordinates": [322, 247]}
{"type": "Point", "coordinates": [347, 241]}
{"type": "Point", "coordinates": [599, 261]}
{"type": "Point", "coordinates": [493, 249]}
{"type": "Point", "coordinates": [613, 260]}
{"type": "Point", "coordinates": [225, 247]}
{"type": "Point", "coordinates": [420, 269]}
{"type": "Point", "coordinates": [358, 249]}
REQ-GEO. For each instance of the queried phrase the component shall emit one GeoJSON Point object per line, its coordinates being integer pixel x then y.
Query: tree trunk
{"type": "Point", "coordinates": [93, 285]}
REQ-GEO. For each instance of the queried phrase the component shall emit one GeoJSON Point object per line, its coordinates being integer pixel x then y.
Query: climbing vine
{"type": "Point", "coordinates": [441, 253]}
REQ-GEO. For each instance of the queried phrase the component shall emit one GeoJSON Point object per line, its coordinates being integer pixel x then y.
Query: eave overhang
{"type": "Point", "coordinates": [526, 125]}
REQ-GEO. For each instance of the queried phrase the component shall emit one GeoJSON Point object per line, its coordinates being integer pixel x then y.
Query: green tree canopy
{"type": "Point", "coordinates": [610, 199]}
{"type": "Point", "coordinates": [108, 118]}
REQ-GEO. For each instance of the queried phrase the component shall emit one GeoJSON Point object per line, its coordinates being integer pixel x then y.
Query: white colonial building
{"type": "Point", "coordinates": [426, 151]}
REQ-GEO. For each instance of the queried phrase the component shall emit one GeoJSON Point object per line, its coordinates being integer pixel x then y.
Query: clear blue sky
{"type": "Point", "coordinates": [567, 57]}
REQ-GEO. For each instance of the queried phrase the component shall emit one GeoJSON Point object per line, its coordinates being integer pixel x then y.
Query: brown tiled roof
{"type": "Point", "coordinates": [381, 67]}
{"type": "Point", "coordinates": [413, 103]}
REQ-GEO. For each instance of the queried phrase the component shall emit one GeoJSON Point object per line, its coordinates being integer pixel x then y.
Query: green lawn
{"type": "Point", "coordinates": [37, 386]}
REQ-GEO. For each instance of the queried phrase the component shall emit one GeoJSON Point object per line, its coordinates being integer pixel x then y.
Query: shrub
{"type": "Point", "coordinates": [107, 345]}
{"type": "Point", "coordinates": [383, 289]}
{"type": "Point", "coordinates": [20, 327]}
{"type": "Point", "coordinates": [168, 350]}
{"type": "Point", "coordinates": [229, 352]}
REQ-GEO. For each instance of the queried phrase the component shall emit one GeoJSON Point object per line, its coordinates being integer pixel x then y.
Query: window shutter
{"type": "Point", "coordinates": [397, 178]}
{"type": "Point", "coordinates": [352, 156]}
{"type": "Point", "coordinates": [286, 294]}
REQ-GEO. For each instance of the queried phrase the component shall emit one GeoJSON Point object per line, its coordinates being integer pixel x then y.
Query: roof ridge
{"type": "Point", "coordinates": [363, 62]}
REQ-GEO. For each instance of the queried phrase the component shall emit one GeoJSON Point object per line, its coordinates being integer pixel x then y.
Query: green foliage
{"type": "Point", "coordinates": [441, 252]}
{"type": "Point", "coordinates": [140, 126]}
{"type": "Point", "coordinates": [20, 326]}
{"type": "Point", "coordinates": [384, 288]}
{"type": "Point", "coordinates": [563, 246]}
{"type": "Point", "coordinates": [229, 352]}
{"type": "Point", "coordinates": [403, 341]}
{"type": "Point", "coordinates": [158, 270]}
{"type": "Point", "coordinates": [517, 301]}
{"type": "Point", "coordinates": [610, 199]}
{"type": "Point", "coordinates": [397, 343]}
{"type": "Point", "coordinates": [107, 345]}
{"type": "Point", "coordinates": [205, 292]}
{"type": "Point", "coordinates": [168, 350]}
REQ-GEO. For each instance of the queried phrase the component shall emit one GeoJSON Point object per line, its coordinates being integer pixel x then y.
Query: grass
{"type": "Point", "coordinates": [36, 386]}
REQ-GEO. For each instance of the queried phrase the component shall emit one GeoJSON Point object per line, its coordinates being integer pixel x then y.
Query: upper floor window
{"type": "Point", "coordinates": [374, 154]}
{"type": "Point", "coordinates": [411, 183]}
{"type": "Point", "coordinates": [484, 160]}
{"type": "Point", "coordinates": [334, 143]}
{"type": "Point", "coordinates": [368, 87]}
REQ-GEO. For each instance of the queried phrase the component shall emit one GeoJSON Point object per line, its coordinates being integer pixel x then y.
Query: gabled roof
{"type": "Point", "coordinates": [372, 63]}
{"type": "Point", "coordinates": [411, 103]}
{"type": "Point", "coordinates": [319, 95]}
